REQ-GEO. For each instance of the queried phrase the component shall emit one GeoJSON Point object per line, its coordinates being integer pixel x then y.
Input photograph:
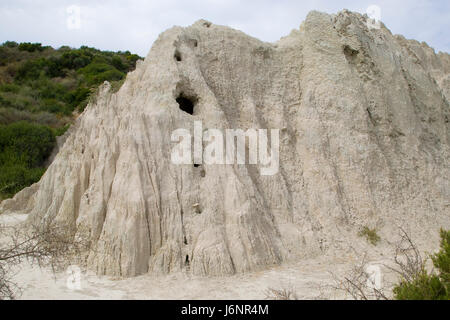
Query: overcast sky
{"type": "Point", "coordinates": [134, 25]}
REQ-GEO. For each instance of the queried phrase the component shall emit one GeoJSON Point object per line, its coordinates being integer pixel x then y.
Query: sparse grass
{"type": "Point", "coordinates": [370, 234]}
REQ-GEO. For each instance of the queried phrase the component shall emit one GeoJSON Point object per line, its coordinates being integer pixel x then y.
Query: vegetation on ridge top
{"type": "Point", "coordinates": [41, 88]}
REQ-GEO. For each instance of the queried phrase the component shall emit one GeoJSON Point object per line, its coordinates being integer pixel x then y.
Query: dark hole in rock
{"type": "Point", "coordinates": [186, 262]}
{"type": "Point", "coordinates": [350, 54]}
{"type": "Point", "coordinates": [196, 165]}
{"type": "Point", "coordinates": [186, 104]}
{"type": "Point", "coordinates": [196, 207]}
{"type": "Point", "coordinates": [177, 55]}
{"type": "Point", "coordinates": [195, 43]}
{"type": "Point", "coordinates": [185, 240]}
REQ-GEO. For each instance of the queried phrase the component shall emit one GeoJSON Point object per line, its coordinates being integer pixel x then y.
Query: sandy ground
{"type": "Point", "coordinates": [309, 279]}
{"type": "Point", "coordinates": [304, 279]}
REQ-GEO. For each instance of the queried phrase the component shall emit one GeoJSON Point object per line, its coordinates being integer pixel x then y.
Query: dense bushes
{"type": "Point", "coordinates": [36, 78]}
{"type": "Point", "coordinates": [40, 88]}
{"type": "Point", "coordinates": [33, 143]}
{"type": "Point", "coordinates": [30, 47]}
{"type": "Point", "coordinates": [9, 115]}
{"type": "Point", "coordinates": [15, 177]}
{"type": "Point", "coordinates": [426, 286]}
{"type": "Point", "coordinates": [75, 98]}
{"type": "Point", "coordinates": [10, 44]}
{"type": "Point", "coordinates": [98, 72]}
{"type": "Point", "coordinates": [24, 147]}
{"type": "Point", "coordinates": [441, 260]}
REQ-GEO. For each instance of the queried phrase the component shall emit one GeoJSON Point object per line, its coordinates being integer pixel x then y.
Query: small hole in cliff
{"type": "Point", "coordinates": [186, 104]}
{"type": "Point", "coordinates": [186, 262]}
{"type": "Point", "coordinates": [195, 43]}
{"type": "Point", "coordinates": [177, 55]}
{"type": "Point", "coordinates": [196, 207]}
{"type": "Point", "coordinates": [185, 240]}
{"type": "Point", "coordinates": [196, 165]}
{"type": "Point", "coordinates": [350, 54]}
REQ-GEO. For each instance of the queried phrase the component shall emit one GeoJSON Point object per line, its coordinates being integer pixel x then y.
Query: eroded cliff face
{"type": "Point", "coordinates": [364, 140]}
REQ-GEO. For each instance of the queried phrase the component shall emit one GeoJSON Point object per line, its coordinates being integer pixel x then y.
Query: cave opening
{"type": "Point", "coordinates": [186, 104]}
{"type": "Point", "coordinates": [177, 55]}
{"type": "Point", "coordinates": [350, 54]}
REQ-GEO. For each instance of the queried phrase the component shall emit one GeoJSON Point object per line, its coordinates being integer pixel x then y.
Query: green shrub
{"type": "Point", "coordinates": [31, 47]}
{"type": "Point", "coordinates": [23, 149]}
{"type": "Point", "coordinates": [40, 88]}
{"type": "Point", "coordinates": [97, 73]}
{"type": "Point", "coordinates": [10, 87]}
{"type": "Point", "coordinates": [132, 58]}
{"type": "Point", "coordinates": [17, 101]}
{"type": "Point", "coordinates": [11, 115]}
{"type": "Point", "coordinates": [370, 234]}
{"type": "Point", "coordinates": [55, 106]}
{"type": "Point", "coordinates": [95, 68]}
{"type": "Point", "coordinates": [66, 75]}
{"type": "Point", "coordinates": [53, 67]}
{"type": "Point", "coordinates": [441, 260]}
{"type": "Point", "coordinates": [10, 44]}
{"type": "Point", "coordinates": [83, 105]}
{"type": "Point", "coordinates": [31, 69]}
{"type": "Point", "coordinates": [77, 96]}
{"type": "Point", "coordinates": [25, 143]}
{"type": "Point", "coordinates": [110, 75]}
{"type": "Point", "coordinates": [44, 88]}
{"type": "Point", "coordinates": [61, 130]}
{"type": "Point", "coordinates": [75, 59]}
{"type": "Point", "coordinates": [15, 177]}
{"type": "Point", "coordinates": [116, 85]}
{"type": "Point", "coordinates": [425, 286]}
{"type": "Point", "coordinates": [117, 62]}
